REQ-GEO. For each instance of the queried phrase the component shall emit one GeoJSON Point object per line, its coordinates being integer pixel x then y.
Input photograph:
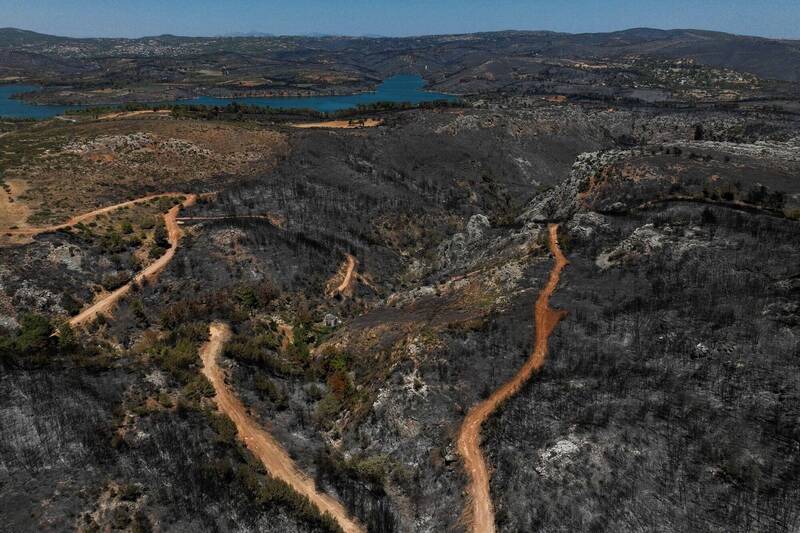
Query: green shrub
{"type": "Point", "coordinates": [372, 469]}
{"type": "Point", "coordinates": [113, 243]}
{"type": "Point", "coordinates": [160, 236]}
{"type": "Point", "coordinates": [137, 308]}
{"type": "Point", "coordinates": [35, 335]}
{"type": "Point", "coordinates": [70, 304]}
{"type": "Point", "coordinates": [197, 388]}
{"type": "Point", "coordinates": [112, 282]}
{"type": "Point", "coordinates": [224, 428]}
{"type": "Point", "coordinates": [268, 390]}
{"type": "Point", "coordinates": [156, 251]}
{"type": "Point", "coordinates": [177, 353]}
{"type": "Point", "coordinates": [247, 297]}
{"type": "Point", "coordinates": [148, 223]}
{"type": "Point", "coordinates": [260, 351]}
{"type": "Point", "coordinates": [165, 400]}
{"type": "Point", "coordinates": [67, 339]}
{"type": "Point", "coordinates": [126, 228]}
{"type": "Point", "coordinates": [327, 410]}
{"type": "Point", "coordinates": [314, 392]}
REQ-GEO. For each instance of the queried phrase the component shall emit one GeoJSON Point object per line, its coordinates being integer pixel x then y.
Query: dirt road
{"type": "Point", "coordinates": [348, 275]}
{"type": "Point", "coordinates": [148, 274]}
{"type": "Point", "coordinates": [129, 114]}
{"type": "Point", "coordinates": [345, 288]}
{"type": "Point", "coordinates": [261, 443]}
{"type": "Point", "coordinates": [31, 231]}
{"type": "Point", "coordinates": [341, 124]}
{"type": "Point", "coordinates": [480, 511]}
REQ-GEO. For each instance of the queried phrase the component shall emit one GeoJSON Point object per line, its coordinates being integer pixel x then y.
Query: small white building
{"type": "Point", "coordinates": [331, 320]}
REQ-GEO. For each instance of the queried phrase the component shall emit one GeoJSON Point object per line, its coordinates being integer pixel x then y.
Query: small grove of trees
{"type": "Point", "coordinates": [360, 480]}
{"type": "Point", "coordinates": [160, 242]}
{"type": "Point", "coordinates": [335, 368]}
{"type": "Point", "coordinates": [261, 351]}
{"type": "Point", "coordinates": [186, 326]}
{"type": "Point", "coordinates": [268, 390]}
{"type": "Point", "coordinates": [239, 111]}
{"type": "Point", "coordinates": [34, 341]}
{"type": "Point", "coordinates": [269, 491]}
{"type": "Point", "coordinates": [373, 469]}
{"type": "Point", "coordinates": [236, 110]}
{"type": "Point", "coordinates": [177, 353]}
{"type": "Point", "coordinates": [230, 305]}
{"type": "Point", "coordinates": [259, 345]}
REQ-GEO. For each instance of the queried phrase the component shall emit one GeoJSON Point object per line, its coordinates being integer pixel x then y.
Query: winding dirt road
{"type": "Point", "coordinates": [480, 510]}
{"type": "Point", "coordinates": [261, 443]}
{"type": "Point", "coordinates": [32, 231]}
{"type": "Point", "coordinates": [152, 270]}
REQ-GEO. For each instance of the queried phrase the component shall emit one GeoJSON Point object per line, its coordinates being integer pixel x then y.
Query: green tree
{"type": "Point", "coordinates": [247, 297]}
{"type": "Point", "coordinates": [67, 340]}
{"type": "Point", "coordinates": [35, 335]}
{"type": "Point", "coordinates": [160, 236]}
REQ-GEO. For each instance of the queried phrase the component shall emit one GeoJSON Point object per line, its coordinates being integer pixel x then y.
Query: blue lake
{"type": "Point", "coordinates": [15, 108]}
{"type": "Point", "coordinates": [398, 89]}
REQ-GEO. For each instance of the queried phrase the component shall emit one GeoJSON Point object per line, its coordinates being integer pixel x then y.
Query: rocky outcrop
{"type": "Point", "coordinates": [456, 249]}
{"type": "Point", "coordinates": [648, 239]}
{"type": "Point", "coordinates": [564, 200]}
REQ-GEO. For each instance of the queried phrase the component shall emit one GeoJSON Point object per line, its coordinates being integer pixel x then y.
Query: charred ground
{"type": "Point", "coordinates": [669, 398]}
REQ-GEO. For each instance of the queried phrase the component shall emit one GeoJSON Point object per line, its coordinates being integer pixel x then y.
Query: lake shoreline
{"type": "Point", "coordinates": [399, 89]}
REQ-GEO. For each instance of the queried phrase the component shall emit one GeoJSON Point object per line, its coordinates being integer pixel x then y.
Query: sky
{"type": "Point", "coordinates": [137, 18]}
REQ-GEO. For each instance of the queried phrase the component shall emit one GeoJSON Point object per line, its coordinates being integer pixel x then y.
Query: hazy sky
{"type": "Point", "coordinates": [134, 18]}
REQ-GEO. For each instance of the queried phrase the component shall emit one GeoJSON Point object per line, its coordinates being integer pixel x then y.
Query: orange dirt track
{"type": "Point", "coordinates": [345, 288]}
{"type": "Point", "coordinates": [480, 511]}
{"type": "Point", "coordinates": [174, 233]}
{"type": "Point", "coordinates": [348, 276]}
{"type": "Point", "coordinates": [91, 214]}
{"type": "Point", "coordinates": [262, 444]}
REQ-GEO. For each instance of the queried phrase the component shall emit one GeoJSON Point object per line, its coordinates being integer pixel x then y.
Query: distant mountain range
{"type": "Point", "coordinates": [249, 34]}
{"type": "Point", "coordinates": [767, 58]}
{"type": "Point", "coordinates": [252, 34]}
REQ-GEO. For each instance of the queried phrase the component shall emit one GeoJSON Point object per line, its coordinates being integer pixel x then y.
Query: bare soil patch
{"type": "Point", "coordinates": [342, 124]}
{"type": "Point", "coordinates": [13, 211]}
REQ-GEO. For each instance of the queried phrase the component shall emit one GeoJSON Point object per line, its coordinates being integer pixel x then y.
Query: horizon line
{"type": "Point", "coordinates": [258, 34]}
